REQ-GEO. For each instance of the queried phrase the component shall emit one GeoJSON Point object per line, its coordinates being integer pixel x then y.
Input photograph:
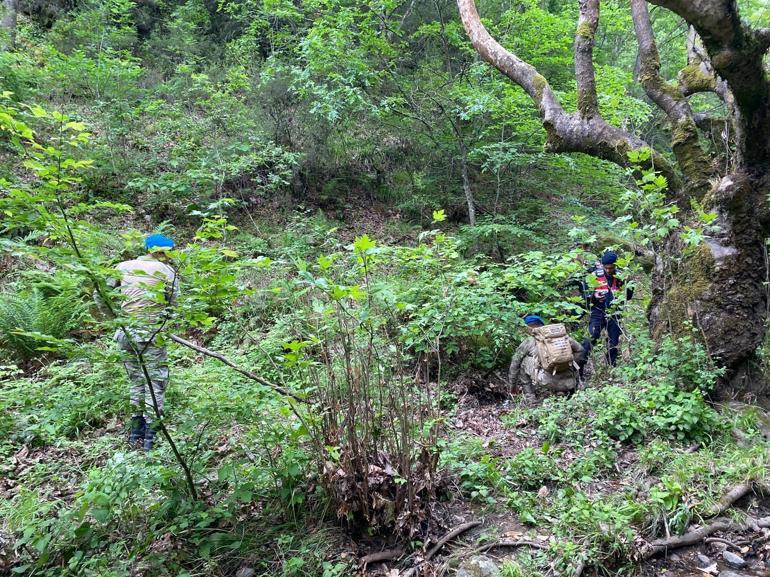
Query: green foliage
{"type": "Point", "coordinates": [478, 472]}
{"type": "Point", "coordinates": [236, 125]}
{"type": "Point", "coordinates": [531, 468]}
{"type": "Point", "coordinates": [649, 213]}
{"type": "Point", "coordinates": [667, 400]}
{"type": "Point", "coordinates": [32, 324]}
{"type": "Point", "coordinates": [69, 399]}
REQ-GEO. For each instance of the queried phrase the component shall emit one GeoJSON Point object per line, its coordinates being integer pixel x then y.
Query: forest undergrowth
{"type": "Point", "coordinates": [589, 480]}
{"type": "Point", "coordinates": [364, 213]}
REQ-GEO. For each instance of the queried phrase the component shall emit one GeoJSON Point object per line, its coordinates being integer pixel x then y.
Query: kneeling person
{"type": "Point", "coordinates": [548, 359]}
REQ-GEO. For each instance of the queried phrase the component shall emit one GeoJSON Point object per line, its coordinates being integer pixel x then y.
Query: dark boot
{"type": "Point", "coordinates": [149, 438]}
{"type": "Point", "coordinates": [138, 429]}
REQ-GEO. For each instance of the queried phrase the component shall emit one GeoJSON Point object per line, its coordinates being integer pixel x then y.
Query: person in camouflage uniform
{"type": "Point", "coordinates": [148, 286]}
{"type": "Point", "coordinates": [525, 369]}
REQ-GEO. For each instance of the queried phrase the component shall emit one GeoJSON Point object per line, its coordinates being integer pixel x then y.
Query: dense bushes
{"type": "Point", "coordinates": [664, 396]}
{"type": "Point", "coordinates": [31, 323]}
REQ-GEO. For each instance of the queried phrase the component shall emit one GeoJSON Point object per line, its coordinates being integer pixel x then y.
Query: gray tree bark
{"type": "Point", "coordinates": [720, 287]}
{"type": "Point", "coordinates": [8, 25]}
{"type": "Point", "coordinates": [467, 187]}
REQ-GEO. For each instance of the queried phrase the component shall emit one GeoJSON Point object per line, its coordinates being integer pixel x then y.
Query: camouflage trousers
{"type": "Point", "coordinates": [535, 378]}
{"type": "Point", "coordinates": [156, 363]}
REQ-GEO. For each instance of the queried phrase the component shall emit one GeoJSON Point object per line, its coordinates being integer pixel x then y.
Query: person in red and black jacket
{"type": "Point", "coordinates": [604, 304]}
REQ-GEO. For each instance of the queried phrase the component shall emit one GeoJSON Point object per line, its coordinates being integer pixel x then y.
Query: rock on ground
{"type": "Point", "coordinates": [479, 566]}
{"type": "Point", "coordinates": [733, 560]}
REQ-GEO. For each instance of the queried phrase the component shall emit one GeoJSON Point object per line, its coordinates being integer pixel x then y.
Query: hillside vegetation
{"type": "Point", "coordinates": [364, 212]}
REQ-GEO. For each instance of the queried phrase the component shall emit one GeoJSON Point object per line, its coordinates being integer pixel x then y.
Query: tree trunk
{"type": "Point", "coordinates": [8, 25]}
{"type": "Point", "coordinates": [719, 287]}
{"type": "Point", "coordinates": [467, 188]}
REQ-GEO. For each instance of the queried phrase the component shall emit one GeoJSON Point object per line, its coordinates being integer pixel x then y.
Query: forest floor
{"type": "Point", "coordinates": [571, 485]}
{"type": "Point", "coordinates": [484, 411]}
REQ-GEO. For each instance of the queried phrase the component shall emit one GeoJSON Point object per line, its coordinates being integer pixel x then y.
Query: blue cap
{"type": "Point", "coordinates": [158, 241]}
{"type": "Point", "coordinates": [609, 257]}
{"type": "Point", "coordinates": [529, 319]}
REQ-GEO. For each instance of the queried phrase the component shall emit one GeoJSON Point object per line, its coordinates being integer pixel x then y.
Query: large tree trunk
{"type": "Point", "coordinates": [719, 288]}
{"type": "Point", "coordinates": [8, 25]}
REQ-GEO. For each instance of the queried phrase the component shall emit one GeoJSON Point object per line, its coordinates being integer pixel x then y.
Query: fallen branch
{"type": "Point", "coordinates": [449, 536]}
{"type": "Point", "coordinates": [710, 540]}
{"type": "Point", "coordinates": [695, 536]}
{"type": "Point", "coordinates": [380, 556]}
{"type": "Point", "coordinates": [488, 547]}
{"type": "Point", "coordinates": [727, 500]}
{"type": "Point", "coordinates": [441, 542]}
{"type": "Point", "coordinates": [500, 544]}
{"type": "Point", "coordinates": [232, 365]}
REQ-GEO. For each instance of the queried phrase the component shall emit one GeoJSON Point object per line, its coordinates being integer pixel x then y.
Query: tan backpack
{"type": "Point", "coordinates": [554, 348]}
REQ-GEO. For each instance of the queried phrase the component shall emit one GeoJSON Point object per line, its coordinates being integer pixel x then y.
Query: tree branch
{"type": "Point", "coordinates": [736, 52]}
{"type": "Point", "coordinates": [522, 73]}
{"type": "Point", "coordinates": [666, 96]}
{"type": "Point", "coordinates": [685, 140]}
{"type": "Point", "coordinates": [565, 132]}
{"type": "Point", "coordinates": [699, 76]}
{"type": "Point", "coordinates": [655, 548]}
{"type": "Point", "coordinates": [221, 358]}
{"type": "Point", "coordinates": [585, 76]}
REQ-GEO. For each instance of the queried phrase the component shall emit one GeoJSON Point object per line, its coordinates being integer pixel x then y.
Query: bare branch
{"type": "Point", "coordinates": [584, 57]}
{"type": "Point", "coordinates": [662, 93]}
{"type": "Point", "coordinates": [565, 132]}
{"type": "Point", "coordinates": [694, 536]}
{"type": "Point", "coordinates": [522, 73]}
{"type": "Point", "coordinates": [213, 354]}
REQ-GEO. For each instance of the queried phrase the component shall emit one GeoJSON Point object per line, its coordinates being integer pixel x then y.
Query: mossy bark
{"type": "Point", "coordinates": [693, 79]}
{"type": "Point", "coordinates": [719, 288]}
{"type": "Point", "coordinates": [691, 158]}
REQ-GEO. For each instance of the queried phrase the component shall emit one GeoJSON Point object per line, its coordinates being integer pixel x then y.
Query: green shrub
{"type": "Point", "coordinates": [663, 396]}
{"type": "Point", "coordinates": [73, 396]}
{"type": "Point", "coordinates": [532, 468]}
{"type": "Point", "coordinates": [32, 324]}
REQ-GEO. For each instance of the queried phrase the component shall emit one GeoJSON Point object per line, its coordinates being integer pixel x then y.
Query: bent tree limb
{"type": "Point", "coordinates": [456, 532]}
{"type": "Point", "coordinates": [736, 52]}
{"type": "Point", "coordinates": [253, 376]}
{"type": "Point", "coordinates": [449, 536]}
{"type": "Point", "coordinates": [685, 138]}
{"type": "Point", "coordinates": [566, 132]}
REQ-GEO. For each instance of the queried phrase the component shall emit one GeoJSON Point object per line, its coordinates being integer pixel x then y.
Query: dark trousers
{"type": "Point", "coordinates": [598, 321]}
